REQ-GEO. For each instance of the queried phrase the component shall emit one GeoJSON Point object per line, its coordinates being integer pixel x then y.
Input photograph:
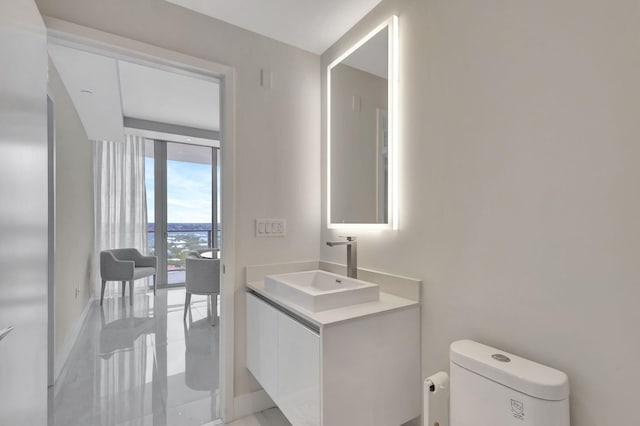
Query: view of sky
{"type": "Point", "coordinates": [188, 192]}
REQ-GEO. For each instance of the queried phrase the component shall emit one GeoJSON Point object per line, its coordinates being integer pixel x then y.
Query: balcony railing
{"type": "Point", "coordinates": [179, 243]}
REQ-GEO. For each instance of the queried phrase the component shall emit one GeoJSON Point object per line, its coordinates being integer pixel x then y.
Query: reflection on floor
{"type": "Point", "coordinates": [142, 365]}
{"type": "Point", "coordinates": [271, 417]}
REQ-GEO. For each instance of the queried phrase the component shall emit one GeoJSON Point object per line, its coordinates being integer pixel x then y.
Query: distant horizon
{"type": "Point", "coordinates": [179, 222]}
{"type": "Point", "coordinates": [199, 224]}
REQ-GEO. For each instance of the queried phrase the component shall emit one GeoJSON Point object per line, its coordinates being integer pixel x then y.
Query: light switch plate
{"type": "Point", "coordinates": [270, 228]}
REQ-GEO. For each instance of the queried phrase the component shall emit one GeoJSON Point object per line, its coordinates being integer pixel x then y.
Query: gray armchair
{"type": "Point", "coordinates": [126, 264]}
{"type": "Point", "coordinates": [202, 277]}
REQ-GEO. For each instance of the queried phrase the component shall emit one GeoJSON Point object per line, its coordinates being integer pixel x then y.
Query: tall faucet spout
{"type": "Point", "coordinates": [337, 243]}
{"type": "Point", "coordinates": [352, 255]}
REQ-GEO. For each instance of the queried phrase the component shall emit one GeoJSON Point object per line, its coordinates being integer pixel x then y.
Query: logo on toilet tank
{"type": "Point", "coordinates": [517, 409]}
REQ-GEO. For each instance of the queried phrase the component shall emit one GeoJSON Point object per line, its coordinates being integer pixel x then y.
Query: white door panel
{"type": "Point", "coordinates": [23, 214]}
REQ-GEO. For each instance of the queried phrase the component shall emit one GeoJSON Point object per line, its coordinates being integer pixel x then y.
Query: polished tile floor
{"type": "Point", "coordinates": [271, 417]}
{"type": "Point", "coordinates": [142, 365]}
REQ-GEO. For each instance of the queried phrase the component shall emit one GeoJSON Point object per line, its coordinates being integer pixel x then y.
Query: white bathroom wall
{"type": "Point", "coordinates": [277, 135]}
{"type": "Point", "coordinates": [519, 205]}
{"type": "Point", "coordinates": [74, 216]}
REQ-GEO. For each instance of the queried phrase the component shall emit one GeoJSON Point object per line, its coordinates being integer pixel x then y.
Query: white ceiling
{"type": "Point", "coordinates": [123, 89]}
{"type": "Point", "coordinates": [166, 97]}
{"type": "Point", "coordinates": [312, 25]}
{"type": "Point", "coordinates": [100, 111]}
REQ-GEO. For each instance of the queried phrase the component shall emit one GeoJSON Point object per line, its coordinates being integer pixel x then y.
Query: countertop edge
{"type": "Point", "coordinates": [387, 303]}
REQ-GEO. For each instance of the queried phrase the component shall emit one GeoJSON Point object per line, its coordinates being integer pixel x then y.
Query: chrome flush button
{"type": "Point", "coordinates": [501, 358]}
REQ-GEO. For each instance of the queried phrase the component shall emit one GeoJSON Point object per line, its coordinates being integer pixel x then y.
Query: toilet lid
{"type": "Point", "coordinates": [518, 373]}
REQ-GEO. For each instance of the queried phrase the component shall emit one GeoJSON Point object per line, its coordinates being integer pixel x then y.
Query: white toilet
{"type": "Point", "coordinates": [492, 388]}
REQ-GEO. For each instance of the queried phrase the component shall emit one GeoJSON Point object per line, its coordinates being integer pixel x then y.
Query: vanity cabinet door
{"type": "Point", "coordinates": [262, 344]}
{"type": "Point", "coordinates": [298, 372]}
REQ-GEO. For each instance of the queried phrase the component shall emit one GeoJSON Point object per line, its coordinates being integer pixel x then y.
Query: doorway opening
{"type": "Point", "coordinates": [172, 141]}
{"type": "Point", "coordinates": [183, 204]}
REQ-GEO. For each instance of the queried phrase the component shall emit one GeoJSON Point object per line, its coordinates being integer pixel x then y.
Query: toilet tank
{"type": "Point", "coordinates": [490, 387]}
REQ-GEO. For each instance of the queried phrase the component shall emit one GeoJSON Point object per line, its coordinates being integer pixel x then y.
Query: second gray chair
{"type": "Point", "coordinates": [202, 277]}
{"type": "Point", "coordinates": [126, 265]}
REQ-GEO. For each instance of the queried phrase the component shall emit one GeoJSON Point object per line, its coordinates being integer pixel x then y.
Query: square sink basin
{"type": "Point", "coordinates": [319, 290]}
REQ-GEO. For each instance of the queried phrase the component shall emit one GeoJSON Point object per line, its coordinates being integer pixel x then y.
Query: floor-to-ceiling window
{"type": "Point", "coordinates": [182, 204]}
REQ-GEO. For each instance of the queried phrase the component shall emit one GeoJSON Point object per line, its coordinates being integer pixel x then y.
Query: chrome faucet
{"type": "Point", "coordinates": [352, 254]}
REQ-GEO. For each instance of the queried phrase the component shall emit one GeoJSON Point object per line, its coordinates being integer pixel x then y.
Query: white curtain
{"type": "Point", "coordinates": [120, 199]}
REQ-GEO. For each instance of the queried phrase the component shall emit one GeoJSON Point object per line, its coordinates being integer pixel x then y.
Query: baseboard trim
{"type": "Point", "coordinates": [60, 361]}
{"type": "Point", "coordinates": [251, 403]}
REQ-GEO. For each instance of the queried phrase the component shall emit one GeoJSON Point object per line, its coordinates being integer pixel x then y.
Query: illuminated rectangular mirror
{"type": "Point", "coordinates": [361, 132]}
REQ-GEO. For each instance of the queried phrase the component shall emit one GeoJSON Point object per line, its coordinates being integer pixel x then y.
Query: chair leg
{"type": "Point", "coordinates": [104, 283]}
{"type": "Point", "coordinates": [187, 303]}
{"type": "Point", "coordinates": [131, 293]}
{"type": "Point", "coordinates": [155, 284]}
{"type": "Point", "coordinates": [124, 285]}
{"type": "Point", "coordinates": [214, 308]}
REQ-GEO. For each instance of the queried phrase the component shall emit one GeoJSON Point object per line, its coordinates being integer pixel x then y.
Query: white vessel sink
{"type": "Point", "coordinates": [319, 290]}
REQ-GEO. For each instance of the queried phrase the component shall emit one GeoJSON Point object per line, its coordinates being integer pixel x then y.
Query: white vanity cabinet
{"type": "Point", "coordinates": [298, 372]}
{"type": "Point", "coordinates": [284, 356]}
{"type": "Point", "coordinates": [360, 371]}
{"type": "Point", "coordinates": [262, 344]}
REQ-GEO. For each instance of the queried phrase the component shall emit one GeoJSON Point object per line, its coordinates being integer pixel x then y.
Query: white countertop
{"type": "Point", "coordinates": [387, 303]}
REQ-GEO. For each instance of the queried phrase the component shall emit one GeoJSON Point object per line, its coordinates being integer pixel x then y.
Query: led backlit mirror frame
{"type": "Point", "coordinates": [392, 112]}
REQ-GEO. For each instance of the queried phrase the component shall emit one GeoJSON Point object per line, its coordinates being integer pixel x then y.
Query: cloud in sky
{"type": "Point", "coordinates": [188, 192]}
